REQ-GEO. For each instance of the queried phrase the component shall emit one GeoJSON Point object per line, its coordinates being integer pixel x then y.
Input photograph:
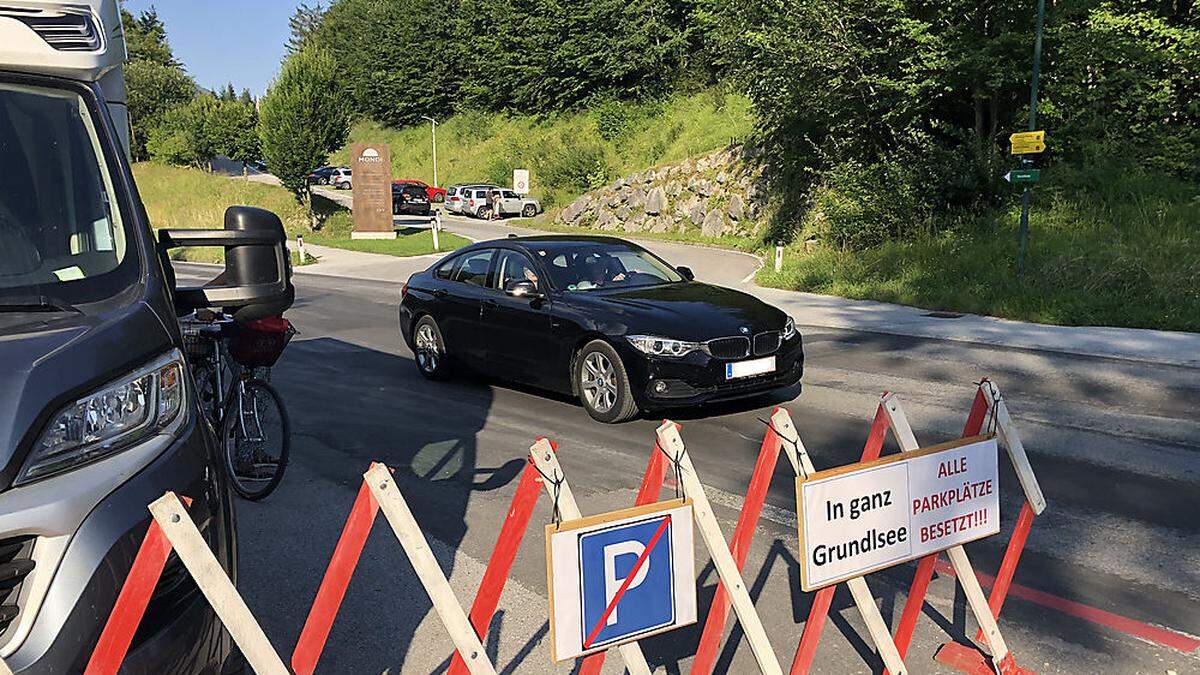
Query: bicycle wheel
{"type": "Point", "coordinates": [256, 437]}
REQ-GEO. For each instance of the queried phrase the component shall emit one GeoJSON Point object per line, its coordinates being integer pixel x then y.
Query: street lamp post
{"type": "Point", "coordinates": [433, 126]}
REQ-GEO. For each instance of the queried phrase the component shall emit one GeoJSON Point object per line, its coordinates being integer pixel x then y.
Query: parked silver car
{"type": "Point", "coordinates": [511, 204]}
{"type": "Point", "coordinates": [457, 195]}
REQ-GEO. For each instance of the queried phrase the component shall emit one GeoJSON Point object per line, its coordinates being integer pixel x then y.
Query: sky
{"type": "Point", "coordinates": [219, 41]}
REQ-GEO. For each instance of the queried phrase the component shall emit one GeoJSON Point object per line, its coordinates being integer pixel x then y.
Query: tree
{"type": "Point", "coordinates": [152, 89]}
{"type": "Point", "coordinates": [235, 124]}
{"type": "Point", "coordinates": [190, 134]}
{"type": "Point", "coordinates": [303, 23]}
{"type": "Point", "coordinates": [154, 80]}
{"type": "Point", "coordinates": [302, 118]}
{"type": "Point", "coordinates": [146, 38]}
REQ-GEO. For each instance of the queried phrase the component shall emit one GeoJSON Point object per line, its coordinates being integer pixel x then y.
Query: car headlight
{"type": "Point", "coordinates": [789, 329]}
{"type": "Point", "coordinates": [110, 419]}
{"type": "Point", "coordinates": [660, 346]}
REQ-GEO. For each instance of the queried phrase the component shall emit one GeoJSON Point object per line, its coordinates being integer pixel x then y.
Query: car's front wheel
{"type": "Point", "coordinates": [603, 385]}
{"type": "Point", "coordinates": [429, 349]}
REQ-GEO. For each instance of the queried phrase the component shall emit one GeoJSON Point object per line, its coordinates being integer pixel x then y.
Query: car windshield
{"type": "Point", "coordinates": [585, 266]}
{"type": "Point", "coordinates": [61, 231]}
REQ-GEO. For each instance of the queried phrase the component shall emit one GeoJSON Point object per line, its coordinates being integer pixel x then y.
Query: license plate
{"type": "Point", "coordinates": [739, 369]}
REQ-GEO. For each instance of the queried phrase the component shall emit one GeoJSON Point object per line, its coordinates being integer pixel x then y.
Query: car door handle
{"type": "Point", "coordinates": [440, 293]}
{"type": "Point", "coordinates": [490, 303]}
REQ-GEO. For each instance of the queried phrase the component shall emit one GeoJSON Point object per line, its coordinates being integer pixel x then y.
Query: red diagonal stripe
{"type": "Point", "coordinates": [628, 579]}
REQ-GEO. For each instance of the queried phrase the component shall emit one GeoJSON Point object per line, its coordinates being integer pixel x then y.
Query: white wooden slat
{"type": "Point", "coordinates": [1016, 449]}
{"type": "Point", "coordinates": [547, 462]}
{"type": "Point", "coordinates": [395, 509]}
{"type": "Point", "coordinates": [208, 574]}
{"type": "Point", "coordinates": [957, 554]}
{"type": "Point", "coordinates": [863, 599]}
{"type": "Point", "coordinates": [671, 443]}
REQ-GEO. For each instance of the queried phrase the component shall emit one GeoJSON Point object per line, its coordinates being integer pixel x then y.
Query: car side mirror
{"type": "Point", "coordinates": [522, 288]}
{"type": "Point", "coordinates": [686, 273]}
{"type": "Point", "coordinates": [257, 267]}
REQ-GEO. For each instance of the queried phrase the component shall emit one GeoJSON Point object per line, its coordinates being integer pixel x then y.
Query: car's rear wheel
{"type": "Point", "coordinates": [529, 211]}
{"type": "Point", "coordinates": [429, 349]}
{"type": "Point", "coordinates": [439, 197]}
{"type": "Point", "coordinates": [603, 385]}
{"type": "Point", "coordinates": [483, 212]}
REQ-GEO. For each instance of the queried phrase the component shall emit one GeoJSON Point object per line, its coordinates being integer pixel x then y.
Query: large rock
{"type": "Point", "coordinates": [736, 208]}
{"type": "Point", "coordinates": [636, 198]}
{"type": "Point", "coordinates": [713, 225]}
{"type": "Point", "coordinates": [623, 212]}
{"type": "Point", "coordinates": [605, 220]}
{"type": "Point", "coordinates": [656, 203]}
{"type": "Point", "coordinates": [705, 187]}
{"type": "Point", "coordinates": [697, 212]}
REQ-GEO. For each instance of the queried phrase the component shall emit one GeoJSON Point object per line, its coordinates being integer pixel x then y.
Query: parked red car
{"type": "Point", "coordinates": [436, 194]}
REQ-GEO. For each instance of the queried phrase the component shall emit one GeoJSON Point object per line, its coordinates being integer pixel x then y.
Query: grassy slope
{"type": "Point", "coordinates": [485, 147]}
{"type": "Point", "coordinates": [1105, 248]}
{"type": "Point", "coordinates": [177, 197]}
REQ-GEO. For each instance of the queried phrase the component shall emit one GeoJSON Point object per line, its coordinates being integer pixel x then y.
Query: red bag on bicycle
{"type": "Point", "coordinates": [259, 343]}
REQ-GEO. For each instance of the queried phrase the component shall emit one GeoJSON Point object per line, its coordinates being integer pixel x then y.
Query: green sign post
{"type": "Point", "coordinates": [1023, 176]}
{"type": "Point", "coordinates": [1026, 162]}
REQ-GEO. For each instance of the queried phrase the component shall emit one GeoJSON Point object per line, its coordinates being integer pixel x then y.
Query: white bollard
{"type": "Point", "coordinates": [437, 226]}
{"type": "Point", "coordinates": [300, 248]}
{"type": "Point", "coordinates": [778, 258]}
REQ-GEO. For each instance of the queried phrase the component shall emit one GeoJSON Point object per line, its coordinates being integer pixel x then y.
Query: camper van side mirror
{"type": "Point", "coordinates": [257, 268]}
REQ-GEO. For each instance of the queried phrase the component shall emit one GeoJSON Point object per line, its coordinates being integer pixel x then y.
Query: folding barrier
{"type": "Point", "coordinates": [172, 529]}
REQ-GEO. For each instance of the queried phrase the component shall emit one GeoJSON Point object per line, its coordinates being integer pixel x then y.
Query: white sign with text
{"type": "Point", "coordinates": [860, 518]}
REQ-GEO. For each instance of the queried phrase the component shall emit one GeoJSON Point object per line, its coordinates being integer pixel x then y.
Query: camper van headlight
{"type": "Point", "coordinates": [109, 419]}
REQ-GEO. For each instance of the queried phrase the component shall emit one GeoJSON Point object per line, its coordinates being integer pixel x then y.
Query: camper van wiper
{"type": "Point", "coordinates": [35, 303]}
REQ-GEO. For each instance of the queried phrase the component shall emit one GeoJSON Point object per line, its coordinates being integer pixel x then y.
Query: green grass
{"type": "Point", "coordinates": [177, 197]}
{"type": "Point", "coordinates": [486, 147]}
{"type": "Point", "coordinates": [407, 243]}
{"type": "Point", "coordinates": [1105, 248]}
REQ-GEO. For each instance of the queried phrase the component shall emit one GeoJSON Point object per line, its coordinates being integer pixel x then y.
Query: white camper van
{"type": "Point", "coordinates": [98, 416]}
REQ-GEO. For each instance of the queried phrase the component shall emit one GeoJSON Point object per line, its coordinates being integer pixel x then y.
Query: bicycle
{"type": "Point", "coordinates": [231, 366]}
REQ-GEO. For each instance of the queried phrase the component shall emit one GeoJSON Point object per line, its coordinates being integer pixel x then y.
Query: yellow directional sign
{"type": "Point", "coordinates": [1028, 142]}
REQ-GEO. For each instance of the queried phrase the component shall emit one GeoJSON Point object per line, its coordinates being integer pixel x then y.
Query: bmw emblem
{"type": "Point", "coordinates": [745, 330]}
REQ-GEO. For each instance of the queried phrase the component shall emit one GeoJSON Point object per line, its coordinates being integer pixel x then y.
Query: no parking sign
{"type": "Point", "coordinates": [619, 577]}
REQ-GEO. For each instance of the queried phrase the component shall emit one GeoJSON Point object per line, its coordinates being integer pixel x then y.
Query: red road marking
{"type": "Point", "coordinates": [1159, 636]}
{"type": "Point", "coordinates": [662, 527]}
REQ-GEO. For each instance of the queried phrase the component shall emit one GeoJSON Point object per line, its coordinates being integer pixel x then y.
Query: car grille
{"type": "Point", "coordinates": [15, 564]}
{"type": "Point", "coordinates": [729, 347]}
{"type": "Point", "coordinates": [766, 343]}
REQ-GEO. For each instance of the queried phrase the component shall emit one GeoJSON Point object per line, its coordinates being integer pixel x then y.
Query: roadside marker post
{"type": "Point", "coordinates": [671, 443]}
{"type": "Point", "coordinates": [1001, 658]}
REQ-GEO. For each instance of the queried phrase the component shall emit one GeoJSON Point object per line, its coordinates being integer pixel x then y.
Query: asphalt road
{"type": "Point", "coordinates": [1115, 557]}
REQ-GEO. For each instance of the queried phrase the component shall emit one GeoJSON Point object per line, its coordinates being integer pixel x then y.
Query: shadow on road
{"type": "Point", "coordinates": [349, 406]}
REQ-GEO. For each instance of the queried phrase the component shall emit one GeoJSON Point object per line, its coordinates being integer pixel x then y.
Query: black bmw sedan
{"type": "Point", "coordinates": [599, 318]}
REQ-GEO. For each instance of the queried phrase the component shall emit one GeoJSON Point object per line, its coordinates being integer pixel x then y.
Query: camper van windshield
{"type": "Point", "coordinates": [61, 231]}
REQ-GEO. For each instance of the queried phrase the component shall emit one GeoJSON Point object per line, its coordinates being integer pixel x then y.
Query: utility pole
{"type": "Point", "coordinates": [1026, 161]}
{"type": "Point", "coordinates": [433, 126]}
